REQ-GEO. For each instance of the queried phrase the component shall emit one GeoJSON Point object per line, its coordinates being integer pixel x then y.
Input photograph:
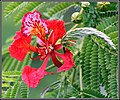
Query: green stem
{"type": "Point", "coordinates": [80, 70]}
{"type": "Point", "coordinates": [48, 88]}
{"type": "Point", "coordinates": [81, 86]}
{"type": "Point", "coordinates": [65, 86]}
{"type": "Point", "coordinates": [59, 90]}
{"type": "Point", "coordinates": [63, 78]}
{"type": "Point", "coordinates": [67, 23]}
{"type": "Point", "coordinates": [73, 75]}
{"type": "Point", "coordinates": [50, 67]}
{"type": "Point", "coordinates": [81, 11]}
{"type": "Point", "coordinates": [89, 95]}
{"type": "Point", "coordinates": [74, 26]}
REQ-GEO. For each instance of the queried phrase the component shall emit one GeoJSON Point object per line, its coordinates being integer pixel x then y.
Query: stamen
{"type": "Point", "coordinates": [51, 47]}
{"type": "Point", "coordinates": [46, 51]}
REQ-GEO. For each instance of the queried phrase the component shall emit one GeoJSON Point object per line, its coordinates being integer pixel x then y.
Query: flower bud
{"type": "Point", "coordinates": [103, 6]}
{"type": "Point", "coordinates": [85, 4]}
{"type": "Point", "coordinates": [76, 17]}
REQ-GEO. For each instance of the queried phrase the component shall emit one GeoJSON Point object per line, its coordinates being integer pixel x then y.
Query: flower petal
{"type": "Point", "coordinates": [58, 30]}
{"type": "Point", "coordinates": [32, 76]}
{"type": "Point", "coordinates": [40, 42]}
{"type": "Point", "coordinates": [58, 46]}
{"type": "Point", "coordinates": [33, 24]}
{"type": "Point", "coordinates": [26, 74]}
{"type": "Point", "coordinates": [55, 60]}
{"type": "Point", "coordinates": [20, 46]}
{"type": "Point", "coordinates": [68, 61]}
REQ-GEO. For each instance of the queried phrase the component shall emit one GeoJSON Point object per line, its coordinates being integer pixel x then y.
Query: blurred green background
{"type": "Point", "coordinates": [9, 29]}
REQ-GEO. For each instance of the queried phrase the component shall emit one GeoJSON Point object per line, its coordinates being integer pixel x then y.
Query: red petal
{"type": "Point", "coordinates": [58, 47]}
{"type": "Point", "coordinates": [18, 35]}
{"type": "Point", "coordinates": [32, 48]}
{"type": "Point", "coordinates": [58, 30]}
{"type": "Point", "coordinates": [32, 76]}
{"type": "Point", "coordinates": [55, 60]}
{"type": "Point", "coordinates": [26, 74]}
{"type": "Point", "coordinates": [19, 48]}
{"type": "Point", "coordinates": [68, 61]}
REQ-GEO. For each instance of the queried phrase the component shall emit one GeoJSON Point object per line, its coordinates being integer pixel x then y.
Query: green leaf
{"type": "Point", "coordinates": [3, 94]}
{"type": "Point", "coordinates": [108, 13]}
{"type": "Point", "coordinates": [12, 91]}
{"type": "Point", "coordinates": [24, 91]}
{"type": "Point", "coordinates": [5, 85]}
{"type": "Point", "coordinates": [59, 8]}
{"type": "Point", "coordinates": [12, 7]}
{"type": "Point", "coordinates": [11, 73]}
{"type": "Point", "coordinates": [15, 89]}
{"type": "Point", "coordinates": [8, 93]}
{"type": "Point", "coordinates": [80, 33]}
{"type": "Point", "coordinates": [5, 79]}
{"type": "Point", "coordinates": [92, 93]}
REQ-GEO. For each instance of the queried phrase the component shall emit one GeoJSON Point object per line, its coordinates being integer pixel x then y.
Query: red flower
{"type": "Point", "coordinates": [48, 33]}
{"type": "Point", "coordinates": [34, 25]}
{"type": "Point", "coordinates": [19, 48]}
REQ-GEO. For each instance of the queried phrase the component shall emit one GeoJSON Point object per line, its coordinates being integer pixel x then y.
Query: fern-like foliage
{"type": "Point", "coordinates": [113, 82]}
{"type": "Point", "coordinates": [95, 58]}
{"type": "Point", "coordinates": [86, 63]}
{"type": "Point", "coordinates": [94, 68]}
{"type": "Point", "coordinates": [11, 73]}
{"type": "Point", "coordinates": [59, 8]}
{"type": "Point", "coordinates": [108, 13]}
{"type": "Point", "coordinates": [12, 91]}
{"type": "Point", "coordinates": [15, 89]}
{"type": "Point", "coordinates": [24, 90]}
{"type": "Point", "coordinates": [12, 7]}
{"type": "Point", "coordinates": [110, 27]}
{"type": "Point", "coordinates": [102, 61]}
{"type": "Point", "coordinates": [7, 93]}
{"type": "Point", "coordinates": [90, 93]}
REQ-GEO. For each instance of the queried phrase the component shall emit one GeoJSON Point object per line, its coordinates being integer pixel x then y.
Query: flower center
{"type": "Point", "coordinates": [38, 29]}
{"type": "Point", "coordinates": [43, 51]}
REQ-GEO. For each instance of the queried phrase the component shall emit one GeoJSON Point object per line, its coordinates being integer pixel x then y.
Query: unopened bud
{"type": "Point", "coordinates": [85, 4]}
{"type": "Point", "coordinates": [103, 6]}
{"type": "Point", "coordinates": [76, 17]}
